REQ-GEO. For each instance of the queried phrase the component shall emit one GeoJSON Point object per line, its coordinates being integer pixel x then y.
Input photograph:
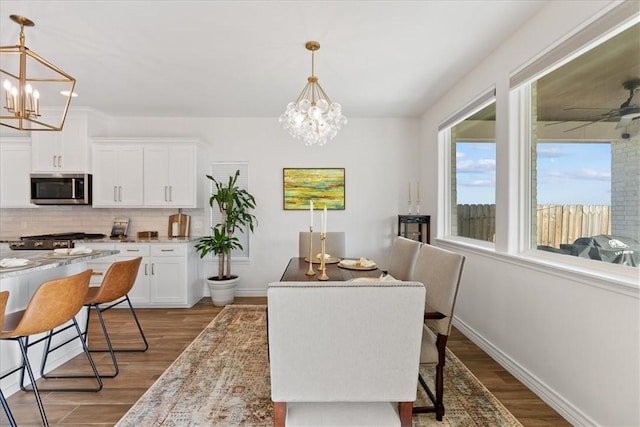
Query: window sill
{"type": "Point", "coordinates": [612, 277]}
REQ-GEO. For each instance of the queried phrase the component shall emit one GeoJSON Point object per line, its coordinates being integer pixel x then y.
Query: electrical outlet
{"type": "Point", "coordinates": [197, 225]}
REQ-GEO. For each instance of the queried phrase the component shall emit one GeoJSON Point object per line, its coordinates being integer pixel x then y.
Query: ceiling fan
{"type": "Point", "coordinates": [627, 115]}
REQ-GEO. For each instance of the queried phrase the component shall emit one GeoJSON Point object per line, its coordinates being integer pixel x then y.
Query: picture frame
{"type": "Point", "coordinates": [120, 227]}
{"type": "Point", "coordinates": [325, 186]}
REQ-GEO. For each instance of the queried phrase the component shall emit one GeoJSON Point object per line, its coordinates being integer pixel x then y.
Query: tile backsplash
{"type": "Point", "coordinates": [61, 219]}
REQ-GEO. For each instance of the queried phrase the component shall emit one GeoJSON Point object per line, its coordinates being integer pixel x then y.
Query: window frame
{"type": "Point", "coordinates": [520, 123]}
{"type": "Point", "coordinates": [513, 247]}
{"type": "Point", "coordinates": [485, 98]}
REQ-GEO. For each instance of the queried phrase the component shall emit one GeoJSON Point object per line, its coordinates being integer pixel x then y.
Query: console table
{"type": "Point", "coordinates": [422, 231]}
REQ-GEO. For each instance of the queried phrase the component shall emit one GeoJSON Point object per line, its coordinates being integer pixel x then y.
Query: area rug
{"type": "Point", "coordinates": [222, 379]}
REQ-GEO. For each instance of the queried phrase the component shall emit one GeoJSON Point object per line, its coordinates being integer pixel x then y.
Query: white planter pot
{"type": "Point", "coordinates": [222, 291]}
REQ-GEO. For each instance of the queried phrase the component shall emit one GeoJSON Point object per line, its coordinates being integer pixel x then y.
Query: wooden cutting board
{"type": "Point", "coordinates": [183, 222]}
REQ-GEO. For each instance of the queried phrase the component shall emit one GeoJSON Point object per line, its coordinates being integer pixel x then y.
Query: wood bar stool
{"type": "Point", "coordinates": [114, 289]}
{"type": "Point", "coordinates": [53, 304]}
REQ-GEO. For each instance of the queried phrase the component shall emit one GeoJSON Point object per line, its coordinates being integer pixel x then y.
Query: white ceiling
{"type": "Point", "coordinates": [247, 58]}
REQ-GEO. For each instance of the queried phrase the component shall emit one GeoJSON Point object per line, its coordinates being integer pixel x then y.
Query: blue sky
{"type": "Point", "coordinates": [568, 173]}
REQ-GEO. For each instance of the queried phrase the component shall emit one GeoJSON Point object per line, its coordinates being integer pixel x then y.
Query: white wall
{"type": "Point", "coordinates": [379, 155]}
{"type": "Point", "coordinates": [571, 337]}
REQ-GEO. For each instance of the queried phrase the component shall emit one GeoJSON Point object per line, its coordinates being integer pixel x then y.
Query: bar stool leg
{"type": "Point", "coordinates": [48, 349]}
{"type": "Point", "coordinates": [99, 310]}
{"type": "Point", "coordinates": [7, 411]}
{"type": "Point", "coordinates": [24, 346]}
{"type": "Point", "coordinates": [110, 349]}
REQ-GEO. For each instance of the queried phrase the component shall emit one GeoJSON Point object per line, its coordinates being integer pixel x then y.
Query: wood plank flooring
{"type": "Point", "coordinates": [169, 331]}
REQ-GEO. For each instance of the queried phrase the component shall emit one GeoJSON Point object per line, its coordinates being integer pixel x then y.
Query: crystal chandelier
{"type": "Point", "coordinates": [28, 80]}
{"type": "Point", "coordinates": [313, 118]}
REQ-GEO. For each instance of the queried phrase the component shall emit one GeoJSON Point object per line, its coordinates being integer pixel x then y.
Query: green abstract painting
{"type": "Point", "coordinates": [325, 186]}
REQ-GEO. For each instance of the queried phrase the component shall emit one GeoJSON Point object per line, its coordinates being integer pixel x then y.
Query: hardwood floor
{"type": "Point", "coordinates": [169, 331]}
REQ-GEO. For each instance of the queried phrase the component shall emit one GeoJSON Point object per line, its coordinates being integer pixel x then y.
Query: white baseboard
{"type": "Point", "coordinates": [568, 411]}
{"type": "Point", "coordinates": [244, 292]}
{"type": "Point", "coordinates": [251, 292]}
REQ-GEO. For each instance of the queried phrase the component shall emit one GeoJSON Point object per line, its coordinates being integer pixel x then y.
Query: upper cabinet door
{"type": "Point", "coordinates": [117, 176]}
{"type": "Point", "coordinates": [156, 176]}
{"type": "Point", "coordinates": [63, 151]}
{"type": "Point", "coordinates": [182, 177]}
{"type": "Point", "coordinates": [169, 176]}
{"type": "Point", "coordinates": [15, 158]}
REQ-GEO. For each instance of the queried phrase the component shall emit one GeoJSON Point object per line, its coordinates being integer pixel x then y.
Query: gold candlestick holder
{"type": "Point", "coordinates": [310, 271]}
{"type": "Point", "coordinates": [323, 268]}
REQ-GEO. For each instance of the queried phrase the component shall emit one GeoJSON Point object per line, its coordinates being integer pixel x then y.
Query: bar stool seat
{"type": "Point", "coordinates": [53, 304]}
{"type": "Point", "coordinates": [114, 289]}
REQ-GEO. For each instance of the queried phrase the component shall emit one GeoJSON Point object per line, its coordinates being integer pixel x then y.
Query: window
{"type": "Point", "coordinates": [473, 171]}
{"type": "Point", "coordinates": [585, 153]}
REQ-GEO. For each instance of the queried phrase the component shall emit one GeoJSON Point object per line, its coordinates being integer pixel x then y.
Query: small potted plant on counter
{"type": "Point", "coordinates": [234, 205]}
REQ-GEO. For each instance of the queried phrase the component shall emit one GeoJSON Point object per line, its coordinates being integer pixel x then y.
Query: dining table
{"type": "Point", "coordinates": [298, 267]}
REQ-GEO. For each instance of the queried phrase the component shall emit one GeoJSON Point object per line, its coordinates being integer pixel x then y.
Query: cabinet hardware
{"type": "Point", "coordinates": [165, 193]}
{"type": "Point", "coordinates": [146, 272]}
{"type": "Point", "coordinates": [132, 250]}
{"type": "Point", "coordinates": [119, 193]}
{"type": "Point", "coordinates": [115, 193]}
{"type": "Point", "coordinates": [153, 270]}
{"type": "Point", "coordinates": [59, 161]}
{"type": "Point", "coordinates": [170, 193]}
{"type": "Point", "coordinates": [97, 273]}
{"type": "Point", "coordinates": [166, 250]}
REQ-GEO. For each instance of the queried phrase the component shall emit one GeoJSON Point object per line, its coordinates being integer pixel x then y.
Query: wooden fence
{"type": "Point", "coordinates": [556, 224]}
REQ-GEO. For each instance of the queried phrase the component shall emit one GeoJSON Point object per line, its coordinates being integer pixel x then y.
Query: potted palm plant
{"type": "Point", "coordinates": [234, 205]}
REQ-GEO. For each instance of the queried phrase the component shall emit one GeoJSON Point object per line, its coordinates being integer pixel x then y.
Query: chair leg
{"type": "Point", "coordinates": [48, 349]}
{"type": "Point", "coordinates": [7, 411]}
{"type": "Point", "coordinates": [24, 346]}
{"type": "Point", "coordinates": [438, 398]}
{"type": "Point", "coordinates": [110, 349]}
{"type": "Point", "coordinates": [144, 348]}
{"type": "Point", "coordinates": [441, 343]}
{"type": "Point", "coordinates": [425, 409]}
{"type": "Point", "coordinates": [405, 409]}
{"type": "Point", "coordinates": [279, 413]}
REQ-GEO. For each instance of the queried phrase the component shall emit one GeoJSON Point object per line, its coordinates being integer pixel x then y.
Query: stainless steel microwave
{"type": "Point", "coordinates": [61, 189]}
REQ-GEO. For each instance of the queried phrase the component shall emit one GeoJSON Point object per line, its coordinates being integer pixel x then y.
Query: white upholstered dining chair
{"type": "Point", "coordinates": [440, 272]}
{"type": "Point", "coordinates": [404, 253]}
{"type": "Point", "coordinates": [334, 244]}
{"type": "Point", "coordinates": [344, 354]}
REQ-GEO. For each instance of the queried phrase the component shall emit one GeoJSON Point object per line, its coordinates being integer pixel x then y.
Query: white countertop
{"type": "Point", "coordinates": [44, 260]}
{"type": "Point", "coordinates": [161, 239]}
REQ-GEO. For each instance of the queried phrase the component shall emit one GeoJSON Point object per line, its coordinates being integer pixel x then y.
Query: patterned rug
{"type": "Point", "coordinates": [222, 379]}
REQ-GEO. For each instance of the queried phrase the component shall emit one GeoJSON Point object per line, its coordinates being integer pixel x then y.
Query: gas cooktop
{"type": "Point", "coordinates": [52, 241]}
{"type": "Point", "coordinates": [74, 235]}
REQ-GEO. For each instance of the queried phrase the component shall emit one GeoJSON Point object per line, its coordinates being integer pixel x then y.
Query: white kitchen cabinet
{"type": "Point", "coordinates": [15, 164]}
{"type": "Point", "coordinates": [162, 172]}
{"type": "Point", "coordinates": [139, 294]}
{"type": "Point", "coordinates": [168, 268]}
{"type": "Point", "coordinates": [167, 275]}
{"type": "Point", "coordinates": [117, 175]}
{"type": "Point", "coordinates": [67, 150]}
{"type": "Point", "coordinates": [169, 175]}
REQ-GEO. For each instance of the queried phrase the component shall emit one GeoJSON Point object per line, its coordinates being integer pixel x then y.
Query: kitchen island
{"type": "Point", "coordinates": [22, 282]}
